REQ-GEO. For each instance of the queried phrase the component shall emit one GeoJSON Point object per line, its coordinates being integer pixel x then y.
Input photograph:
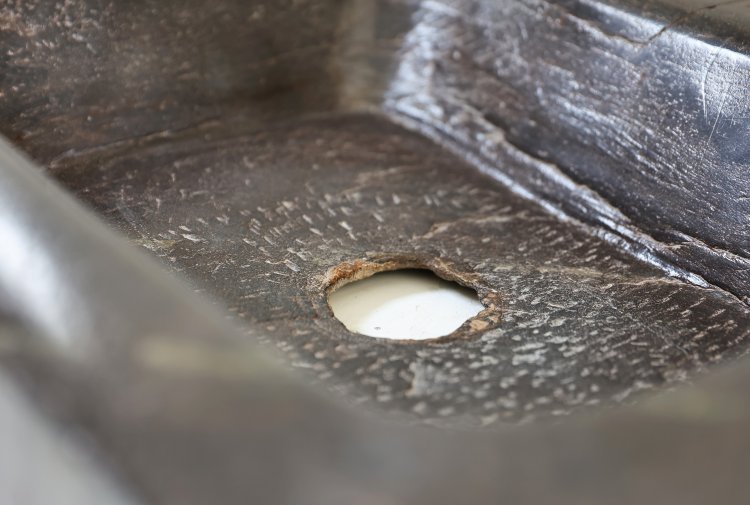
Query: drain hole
{"type": "Point", "coordinates": [404, 304]}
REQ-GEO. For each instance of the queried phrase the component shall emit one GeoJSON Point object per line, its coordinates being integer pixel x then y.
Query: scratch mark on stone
{"type": "Point", "coordinates": [705, 78]}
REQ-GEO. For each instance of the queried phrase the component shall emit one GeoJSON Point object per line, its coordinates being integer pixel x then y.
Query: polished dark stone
{"type": "Point", "coordinates": [582, 164]}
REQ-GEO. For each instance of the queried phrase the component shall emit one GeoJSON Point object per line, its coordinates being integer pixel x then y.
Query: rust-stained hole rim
{"type": "Point", "coordinates": [351, 271]}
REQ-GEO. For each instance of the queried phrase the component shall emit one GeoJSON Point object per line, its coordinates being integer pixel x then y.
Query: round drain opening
{"type": "Point", "coordinates": [408, 304]}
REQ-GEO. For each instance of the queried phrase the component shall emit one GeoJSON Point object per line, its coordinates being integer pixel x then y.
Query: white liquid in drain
{"type": "Point", "coordinates": [404, 304]}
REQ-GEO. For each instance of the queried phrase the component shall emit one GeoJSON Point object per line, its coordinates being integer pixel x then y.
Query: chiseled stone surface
{"type": "Point", "coordinates": [258, 220]}
{"type": "Point", "coordinates": [581, 163]}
